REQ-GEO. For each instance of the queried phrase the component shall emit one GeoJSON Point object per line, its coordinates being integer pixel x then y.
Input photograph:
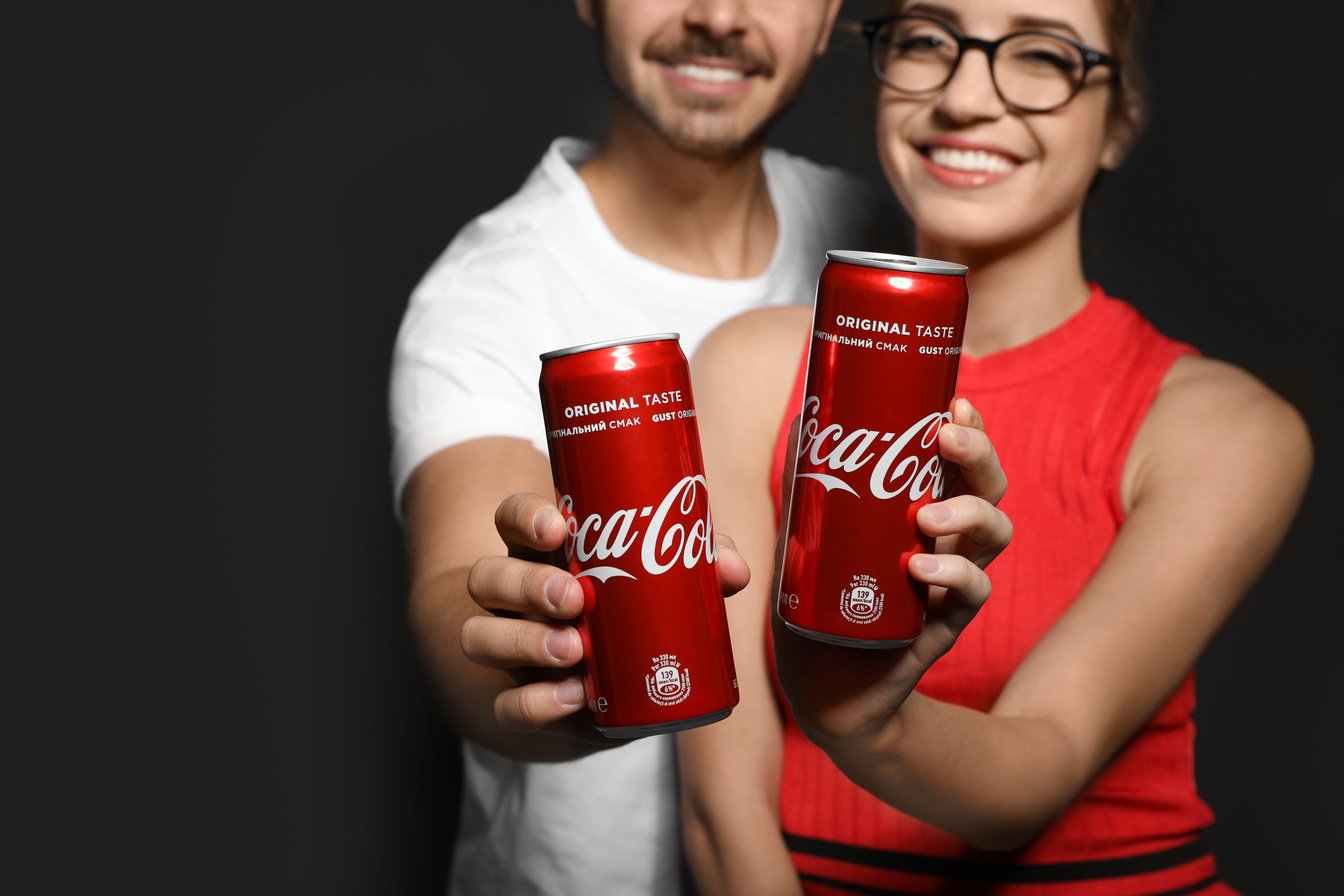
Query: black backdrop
{"type": "Point", "coordinates": [243, 199]}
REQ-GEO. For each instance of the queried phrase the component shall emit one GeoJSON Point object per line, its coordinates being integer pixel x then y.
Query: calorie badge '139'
{"type": "Point", "coordinates": [881, 373]}
{"type": "Point", "coordinates": [630, 482]}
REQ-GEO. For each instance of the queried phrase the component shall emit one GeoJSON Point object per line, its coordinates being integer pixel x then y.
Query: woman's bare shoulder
{"type": "Point", "coordinates": [755, 344]}
{"type": "Point", "coordinates": [1220, 418]}
{"type": "Point", "coordinates": [1225, 399]}
{"type": "Point", "coordinates": [760, 329]}
{"type": "Point", "coordinates": [746, 365]}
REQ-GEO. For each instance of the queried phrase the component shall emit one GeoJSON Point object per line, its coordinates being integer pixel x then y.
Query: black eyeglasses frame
{"type": "Point", "coordinates": [1092, 58]}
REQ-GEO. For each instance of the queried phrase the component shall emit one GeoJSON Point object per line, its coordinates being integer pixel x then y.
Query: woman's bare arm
{"type": "Point", "coordinates": [730, 770]}
{"type": "Point", "coordinates": [1211, 485]}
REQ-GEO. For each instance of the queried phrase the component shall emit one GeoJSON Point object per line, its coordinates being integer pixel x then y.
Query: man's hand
{"type": "Point", "coordinates": [528, 630]}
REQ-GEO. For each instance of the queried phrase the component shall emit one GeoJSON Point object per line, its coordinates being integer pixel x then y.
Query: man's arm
{"type": "Point", "coordinates": [491, 614]}
{"type": "Point", "coordinates": [450, 509]}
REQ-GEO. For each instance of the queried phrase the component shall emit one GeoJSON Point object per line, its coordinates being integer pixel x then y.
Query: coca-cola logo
{"type": "Point", "coordinates": [899, 463]}
{"type": "Point", "coordinates": [679, 531]}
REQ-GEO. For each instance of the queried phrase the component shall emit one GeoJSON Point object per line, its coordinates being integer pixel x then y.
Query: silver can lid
{"type": "Point", "coordinates": [609, 343]}
{"type": "Point", "coordinates": [897, 262]}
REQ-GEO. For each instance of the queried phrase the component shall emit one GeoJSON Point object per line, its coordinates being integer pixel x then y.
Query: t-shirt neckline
{"type": "Point", "coordinates": [561, 165]}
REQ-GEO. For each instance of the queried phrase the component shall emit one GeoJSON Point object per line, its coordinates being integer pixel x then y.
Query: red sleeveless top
{"type": "Point", "coordinates": [1063, 411]}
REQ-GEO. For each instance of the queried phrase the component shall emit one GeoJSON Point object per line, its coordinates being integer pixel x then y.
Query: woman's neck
{"type": "Point", "coordinates": [1016, 293]}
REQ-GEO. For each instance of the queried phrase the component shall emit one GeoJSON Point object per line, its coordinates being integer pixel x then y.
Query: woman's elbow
{"type": "Point", "coordinates": [1012, 828]}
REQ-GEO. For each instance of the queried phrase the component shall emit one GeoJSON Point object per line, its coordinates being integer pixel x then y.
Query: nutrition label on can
{"type": "Point", "coordinates": [862, 601]}
{"type": "Point", "coordinates": [668, 682]}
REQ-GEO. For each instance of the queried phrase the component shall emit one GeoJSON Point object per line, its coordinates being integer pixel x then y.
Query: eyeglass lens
{"type": "Point", "coordinates": [1031, 71]}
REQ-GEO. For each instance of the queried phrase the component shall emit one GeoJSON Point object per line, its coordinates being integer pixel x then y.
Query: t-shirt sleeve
{"type": "Point", "coordinates": [837, 209]}
{"type": "Point", "coordinates": [463, 365]}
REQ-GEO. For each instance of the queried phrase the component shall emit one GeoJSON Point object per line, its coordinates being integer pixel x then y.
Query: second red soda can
{"type": "Point", "coordinates": [881, 374]}
{"type": "Point", "coordinates": [630, 481]}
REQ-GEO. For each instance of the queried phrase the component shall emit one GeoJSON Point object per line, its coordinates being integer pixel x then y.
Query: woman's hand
{"type": "Point", "coordinates": [843, 696]}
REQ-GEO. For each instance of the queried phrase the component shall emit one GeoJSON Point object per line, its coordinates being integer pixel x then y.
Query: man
{"type": "Point", "coordinates": [678, 219]}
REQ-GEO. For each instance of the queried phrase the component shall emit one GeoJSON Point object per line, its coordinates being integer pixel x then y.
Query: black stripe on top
{"type": "Point", "coordinates": [869, 890]}
{"type": "Point", "coordinates": [967, 869]}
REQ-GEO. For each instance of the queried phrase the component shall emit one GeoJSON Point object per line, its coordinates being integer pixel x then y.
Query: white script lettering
{"type": "Point", "coordinates": [910, 464]}
{"type": "Point", "coordinates": [680, 531]}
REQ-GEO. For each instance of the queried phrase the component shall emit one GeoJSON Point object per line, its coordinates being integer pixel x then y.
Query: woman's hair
{"type": "Point", "coordinates": [1125, 20]}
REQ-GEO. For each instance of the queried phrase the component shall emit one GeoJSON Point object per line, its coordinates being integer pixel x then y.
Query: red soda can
{"type": "Point", "coordinates": [881, 373]}
{"type": "Point", "coordinates": [630, 481]}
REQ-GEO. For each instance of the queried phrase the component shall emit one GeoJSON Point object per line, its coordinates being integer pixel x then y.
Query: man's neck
{"type": "Point", "coordinates": [709, 217]}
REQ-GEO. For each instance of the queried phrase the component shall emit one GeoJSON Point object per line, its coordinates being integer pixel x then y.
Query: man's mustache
{"type": "Point", "coordinates": [697, 46]}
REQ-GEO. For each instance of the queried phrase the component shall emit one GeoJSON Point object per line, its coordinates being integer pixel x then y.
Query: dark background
{"type": "Point", "coordinates": [226, 210]}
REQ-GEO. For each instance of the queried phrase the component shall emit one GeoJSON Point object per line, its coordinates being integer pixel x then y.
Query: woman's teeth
{"type": "Point", "coordinates": [970, 160]}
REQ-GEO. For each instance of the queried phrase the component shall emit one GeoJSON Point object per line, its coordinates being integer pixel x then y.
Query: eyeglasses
{"type": "Point", "coordinates": [1033, 71]}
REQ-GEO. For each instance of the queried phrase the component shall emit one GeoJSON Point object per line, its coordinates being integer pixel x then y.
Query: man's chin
{"type": "Point", "coordinates": [710, 132]}
{"type": "Point", "coordinates": [705, 138]}
{"type": "Point", "coordinates": [714, 147]}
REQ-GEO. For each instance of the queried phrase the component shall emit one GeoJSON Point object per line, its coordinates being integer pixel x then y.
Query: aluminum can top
{"type": "Point", "coordinates": [609, 343]}
{"type": "Point", "coordinates": [897, 262]}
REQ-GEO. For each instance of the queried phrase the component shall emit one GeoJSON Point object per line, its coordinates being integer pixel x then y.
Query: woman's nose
{"type": "Point", "coordinates": [970, 94]}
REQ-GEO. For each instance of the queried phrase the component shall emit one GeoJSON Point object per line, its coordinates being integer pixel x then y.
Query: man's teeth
{"type": "Point", "coordinates": [969, 160]}
{"type": "Point", "coordinates": [706, 73]}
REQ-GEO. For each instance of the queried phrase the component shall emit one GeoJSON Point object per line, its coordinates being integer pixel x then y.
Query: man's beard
{"type": "Point", "coordinates": [693, 127]}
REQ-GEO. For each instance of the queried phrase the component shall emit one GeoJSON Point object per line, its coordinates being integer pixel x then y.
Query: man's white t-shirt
{"type": "Point", "coordinates": [539, 272]}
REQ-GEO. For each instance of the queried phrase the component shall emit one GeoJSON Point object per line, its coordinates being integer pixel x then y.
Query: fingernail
{"type": "Point", "coordinates": [963, 436]}
{"type": "Point", "coordinates": [560, 644]}
{"type": "Point", "coordinates": [570, 692]}
{"type": "Point", "coordinates": [938, 513]}
{"type": "Point", "coordinates": [555, 590]}
{"type": "Point", "coordinates": [923, 563]}
{"type": "Point", "coordinates": [541, 521]}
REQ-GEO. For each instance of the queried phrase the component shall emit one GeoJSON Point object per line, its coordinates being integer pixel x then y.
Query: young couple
{"type": "Point", "coordinates": [1036, 740]}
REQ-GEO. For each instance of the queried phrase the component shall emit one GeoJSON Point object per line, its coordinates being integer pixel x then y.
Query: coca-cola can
{"type": "Point", "coordinates": [630, 481]}
{"type": "Point", "coordinates": [881, 373]}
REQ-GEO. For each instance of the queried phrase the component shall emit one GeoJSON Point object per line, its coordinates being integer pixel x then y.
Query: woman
{"type": "Point", "coordinates": [1051, 748]}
